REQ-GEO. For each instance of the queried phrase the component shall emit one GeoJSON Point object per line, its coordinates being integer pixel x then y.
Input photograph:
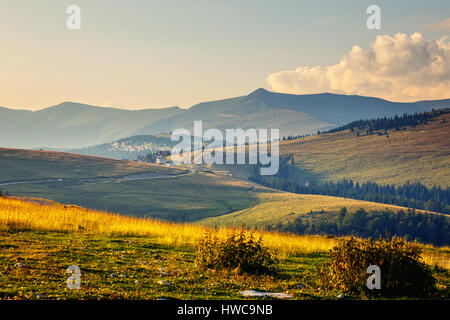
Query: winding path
{"type": "Point", "coordinates": [135, 176]}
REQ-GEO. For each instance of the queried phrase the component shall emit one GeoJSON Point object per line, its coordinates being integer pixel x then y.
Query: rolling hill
{"type": "Point", "coordinates": [184, 198]}
{"type": "Point", "coordinates": [282, 208]}
{"type": "Point", "coordinates": [169, 193]}
{"type": "Point", "coordinates": [202, 195]}
{"type": "Point", "coordinates": [72, 125]}
{"type": "Point", "coordinates": [415, 154]}
{"type": "Point", "coordinates": [27, 165]}
{"type": "Point", "coordinates": [126, 187]}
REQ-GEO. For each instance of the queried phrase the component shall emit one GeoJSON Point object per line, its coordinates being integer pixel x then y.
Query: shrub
{"type": "Point", "coordinates": [402, 271]}
{"type": "Point", "coordinates": [239, 251]}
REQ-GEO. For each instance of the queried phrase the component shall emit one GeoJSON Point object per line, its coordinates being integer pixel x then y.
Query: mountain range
{"type": "Point", "coordinates": [75, 125]}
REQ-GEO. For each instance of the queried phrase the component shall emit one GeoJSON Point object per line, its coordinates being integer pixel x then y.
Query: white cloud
{"type": "Point", "coordinates": [398, 68]}
{"type": "Point", "coordinates": [443, 25]}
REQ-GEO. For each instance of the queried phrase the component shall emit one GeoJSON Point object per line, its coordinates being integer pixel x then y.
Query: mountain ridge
{"type": "Point", "coordinates": [77, 125]}
{"type": "Point", "coordinates": [254, 93]}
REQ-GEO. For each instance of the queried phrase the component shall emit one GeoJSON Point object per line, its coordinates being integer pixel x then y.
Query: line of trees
{"type": "Point", "coordinates": [425, 228]}
{"type": "Point", "coordinates": [392, 123]}
{"type": "Point", "coordinates": [411, 195]}
{"type": "Point", "coordinates": [380, 126]}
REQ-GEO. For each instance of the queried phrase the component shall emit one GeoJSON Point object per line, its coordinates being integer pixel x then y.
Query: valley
{"type": "Point", "coordinates": [156, 214]}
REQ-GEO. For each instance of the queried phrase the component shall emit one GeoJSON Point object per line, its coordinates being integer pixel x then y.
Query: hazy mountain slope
{"type": "Point", "coordinates": [73, 125]}
{"type": "Point", "coordinates": [243, 113]}
{"type": "Point", "coordinates": [10, 120]}
{"type": "Point", "coordinates": [437, 104]}
{"type": "Point", "coordinates": [292, 114]}
{"type": "Point", "coordinates": [70, 125]}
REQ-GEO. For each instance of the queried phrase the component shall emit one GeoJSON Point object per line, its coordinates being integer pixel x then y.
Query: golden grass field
{"type": "Point", "coordinates": [45, 215]}
{"type": "Point", "coordinates": [51, 216]}
{"type": "Point", "coordinates": [419, 154]}
{"type": "Point", "coordinates": [273, 208]}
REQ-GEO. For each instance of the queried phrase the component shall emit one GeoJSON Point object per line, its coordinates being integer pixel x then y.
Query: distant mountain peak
{"type": "Point", "coordinates": [258, 92]}
{"type": "Point", "coordinates": [70, 104]}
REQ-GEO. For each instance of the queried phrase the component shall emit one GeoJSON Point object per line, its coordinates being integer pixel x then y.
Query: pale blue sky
{"type": "Point", "coordinates": [142, 53]}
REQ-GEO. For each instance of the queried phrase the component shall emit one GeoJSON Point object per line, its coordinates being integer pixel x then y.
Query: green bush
{"type": "Point", "coordinates": [402, 271]}
{"type": "Point", "coordinates": [240, 251]}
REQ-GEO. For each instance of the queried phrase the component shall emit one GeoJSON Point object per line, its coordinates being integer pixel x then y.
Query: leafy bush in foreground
{"type": "Point", "coordinates": [402, 271]}
{"type": "Point", "coordinates": [238, 251]}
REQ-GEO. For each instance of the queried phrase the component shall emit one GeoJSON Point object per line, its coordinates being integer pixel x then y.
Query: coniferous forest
{"type": "Point", "coordinates": [424, 227]}
{"type": "Point", "coordinates": [392, 123]}
{"type": "Point", "coordinates": [380, 126]}
{"type": "Point", "coordinates": [411, 195]}
{"type": "Point", "coordinates": [411, 225]}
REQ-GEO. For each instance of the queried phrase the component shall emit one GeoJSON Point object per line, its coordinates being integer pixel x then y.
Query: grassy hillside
{"type": "Point", "coordinates": [26, 165]}
{"type": "Point", "coordinates": [191, 197]}
{"type": "Point", "coordinates": [184, 198]}
{"type": "Point", "coordinates": [419, 154]}
{"type": "Point", "coordinates": [274, 208]}
{"type": "Point", "coordinates": [123, 257]}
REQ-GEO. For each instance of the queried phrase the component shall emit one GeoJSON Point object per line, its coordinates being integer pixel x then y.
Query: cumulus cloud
{"type": "Point", "coordinates": [443, 25]}
{"type": "Point", "coordinates": [398, 68]}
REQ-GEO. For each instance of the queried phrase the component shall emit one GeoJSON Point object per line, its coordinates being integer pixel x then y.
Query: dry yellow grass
{"type": "Point", "coordinates": [45, 215]}
{"type": "Point", "coordinates": [437, 259]}
{"type": "Point", "coordinates": [51, 216]}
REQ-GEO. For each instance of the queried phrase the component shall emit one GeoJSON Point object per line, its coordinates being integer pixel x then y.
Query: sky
{"type": "Point", "coordinates": [136, 54]}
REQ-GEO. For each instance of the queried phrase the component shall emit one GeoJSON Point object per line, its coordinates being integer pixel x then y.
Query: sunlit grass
{"type": "Point", "coordinates": [17, 214]}
{"type": "Point", "coordinates": [50, 216]}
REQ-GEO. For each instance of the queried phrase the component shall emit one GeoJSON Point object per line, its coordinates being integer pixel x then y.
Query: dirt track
{"type": "Point", "coordinates": [136, 176]}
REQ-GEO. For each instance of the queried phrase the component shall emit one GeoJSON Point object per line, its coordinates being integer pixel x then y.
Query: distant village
{"type": "Point", "coordinates": [159, 157]}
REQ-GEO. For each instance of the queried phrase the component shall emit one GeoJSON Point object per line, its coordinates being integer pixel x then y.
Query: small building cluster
{"type": "Point", "coordinates": [159, 157]}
